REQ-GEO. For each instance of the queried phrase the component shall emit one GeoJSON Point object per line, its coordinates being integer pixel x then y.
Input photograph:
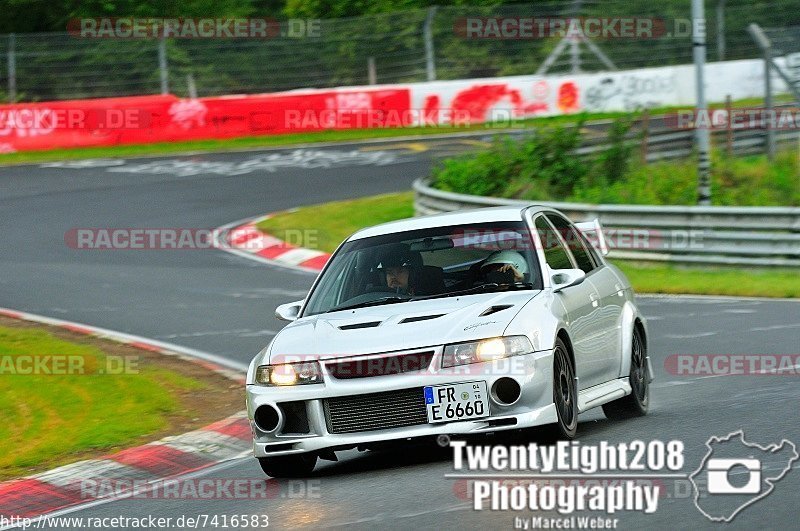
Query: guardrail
{"type": "Point", "coordinates": [662, 141]}
{"type": "Point", "coordinates": [757, 236]}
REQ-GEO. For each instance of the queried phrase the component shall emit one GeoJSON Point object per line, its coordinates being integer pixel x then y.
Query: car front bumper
{"type": "Point", "coordinates": [533, 407]}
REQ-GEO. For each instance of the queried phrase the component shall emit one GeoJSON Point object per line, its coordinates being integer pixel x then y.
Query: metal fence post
{"type": "Point", "coordinates": [575, 46]}
{"type": "Point", "coordinates": [645, 135]}
{"type": "Point", "coordinates": [720, 30]}
{"type": "Point", "coordinates": [702, 133]}
{"type": "Point", "coordinates": [191, 88]}
{"type": "Point", "coordinates": [162, 65]}
{"type": "Point", "coordinates": [766, 46]}
{"type": "Point", "coordinates": [372, 71]}
{"type": "Point", "coordinates": [12, 68]}
{"type": "Point", "coordinates": [768, 103]}
{"type": "Point", "coordinates": [575, 56]}
{"type": "Point", "coordinates": [729, 126]}
{"type": "Point", "coordinates": [430, 51]}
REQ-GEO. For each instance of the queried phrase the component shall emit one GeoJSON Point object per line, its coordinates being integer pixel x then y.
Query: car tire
{"type": "Point", "coordinates": [636, 403]}
{"type": "Point", "coordinates": [288, 466]}
{"type": "Point", "coordinates": [565, 394]}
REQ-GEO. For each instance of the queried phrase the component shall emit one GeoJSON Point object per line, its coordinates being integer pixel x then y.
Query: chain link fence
{"type": "Point", "coordinates": [400, 47]}
{"type": "Point", "coordinates": [785, 42]}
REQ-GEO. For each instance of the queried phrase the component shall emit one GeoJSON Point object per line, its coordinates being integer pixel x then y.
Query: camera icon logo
{"type": "Point", "coordinates": [735, 474]}
{"type": "Point", "coordinates": [720, 470]}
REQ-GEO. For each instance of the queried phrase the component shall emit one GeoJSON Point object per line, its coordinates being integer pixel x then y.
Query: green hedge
{"type": "Point", "coordinates": [542, 166]}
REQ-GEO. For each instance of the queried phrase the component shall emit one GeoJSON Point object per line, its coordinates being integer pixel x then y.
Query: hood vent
{"type": "Point", "coordinates": [494, 309]}
{"type": "Point", "coordinates": [355, 326]}
{"type": "Point", "coordinates": [420, 318]}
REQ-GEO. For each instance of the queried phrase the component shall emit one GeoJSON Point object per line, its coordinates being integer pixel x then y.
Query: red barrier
{"type": "Point", "coordinates": [148, 119]}
{"type": "Point", "coordinates": [82, 123]}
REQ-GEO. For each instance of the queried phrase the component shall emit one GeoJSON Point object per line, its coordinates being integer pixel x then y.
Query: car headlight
{"type": "Point", "coordinates": [485, 350]}
{"type": "Point", "coordinates": [307, 372]}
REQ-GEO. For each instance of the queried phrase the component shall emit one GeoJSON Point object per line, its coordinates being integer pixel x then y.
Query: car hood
{"type": "Point", "coordinates": [399, 326]}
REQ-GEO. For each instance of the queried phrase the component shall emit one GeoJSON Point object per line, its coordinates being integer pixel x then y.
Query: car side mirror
{"type": "Point", "coordinates": [288, 311]}
{"type": "Point", "coordinates": [564, 278]}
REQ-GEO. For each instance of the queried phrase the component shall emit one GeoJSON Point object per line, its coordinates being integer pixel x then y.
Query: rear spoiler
{"type": "Point", "coordinates": [594, 233]}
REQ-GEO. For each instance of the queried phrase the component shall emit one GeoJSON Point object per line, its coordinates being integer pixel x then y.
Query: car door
{"type": "Point", "coordinates": [582, 304]}
{"type": "Point", "coordinates": [610, 293]}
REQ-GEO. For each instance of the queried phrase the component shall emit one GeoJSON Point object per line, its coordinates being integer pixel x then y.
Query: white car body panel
{"type": "Point", "coordinates": [597, 316]}
{"type": "Point", "coordinates": [321, 336]}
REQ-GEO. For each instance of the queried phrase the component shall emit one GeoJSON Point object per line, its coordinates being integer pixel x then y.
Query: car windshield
{"type": "Point", "coordinates": [427, 263]}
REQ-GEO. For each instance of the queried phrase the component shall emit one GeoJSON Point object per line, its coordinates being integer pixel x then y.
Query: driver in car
{"type": "Point", "coordinates": [399, 267]}
{"type": "Point", "coordinates": [504, 267]}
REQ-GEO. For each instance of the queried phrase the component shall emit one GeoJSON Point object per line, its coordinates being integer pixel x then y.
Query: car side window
{"type": "Point", "coordinates": [574, 242]}
{"type": "Point", "coordinates": [555, 254]}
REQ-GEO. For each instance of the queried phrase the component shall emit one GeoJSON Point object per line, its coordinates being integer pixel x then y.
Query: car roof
{"type": "Point", "coordinates": [459, 217]}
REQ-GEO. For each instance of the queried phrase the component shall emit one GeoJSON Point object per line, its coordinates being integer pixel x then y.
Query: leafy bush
{"type": "Point", "coordinates": [737, 181]}
{"type": "Point", "coordinates": [612, 164]}
{"type": "Point", "coordinates": [544, 167]}
{"type": "Point", "coordinates": [541, 165]}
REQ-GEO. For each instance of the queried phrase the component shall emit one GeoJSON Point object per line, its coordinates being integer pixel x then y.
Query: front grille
{"type": "Point", "coordinates": [382, 366]}
{"type": "Point", "coordinates": [376, 411]}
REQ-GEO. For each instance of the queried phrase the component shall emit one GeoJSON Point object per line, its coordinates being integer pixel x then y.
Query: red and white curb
{"type": "Point", "coordinates": [151, 463]}
{"type": "Point", "coordinates": [245, 239]}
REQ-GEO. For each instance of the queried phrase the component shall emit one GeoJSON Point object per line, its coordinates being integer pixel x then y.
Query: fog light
{"type": "Point", "coordinates": [266, 418]}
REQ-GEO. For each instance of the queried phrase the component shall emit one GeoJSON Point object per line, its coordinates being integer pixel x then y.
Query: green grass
{"type": "Point", "coordinates": [739, 181]}
{"type": "Point", "coordinates": [542, 167]}
{"type": "Point", "coordinates": [52, 418]}
{"type": "Point", "coordinates": [288, 140]}
{"type": "Point", "coordinates": [647, 278]}
{"type": "Point", "coordinates": [330, 223]}
{"type": "Point", "coordinates": [324, 227]}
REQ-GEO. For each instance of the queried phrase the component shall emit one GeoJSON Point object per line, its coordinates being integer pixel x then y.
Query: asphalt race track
{"type": "Point", "coordinates": [220, 303]}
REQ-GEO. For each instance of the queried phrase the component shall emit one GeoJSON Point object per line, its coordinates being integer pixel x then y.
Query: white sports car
{"type": "Point", "coordinates": [457, 324]}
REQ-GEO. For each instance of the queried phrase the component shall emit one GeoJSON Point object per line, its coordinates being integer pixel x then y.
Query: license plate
{"type": "Point", "coordinates": [462, 401]}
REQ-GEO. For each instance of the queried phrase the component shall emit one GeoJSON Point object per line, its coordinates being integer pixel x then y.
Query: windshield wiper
{"type": "Point", "coordinates": [375, 302]}
{"type": "Point", "coordinates": [481, 288]}
{"type": "Point", "coordinates": [519, 285]}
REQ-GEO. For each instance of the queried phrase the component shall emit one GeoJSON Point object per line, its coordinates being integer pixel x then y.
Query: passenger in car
{"type": "Point", "coordinates": [503, 267]}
